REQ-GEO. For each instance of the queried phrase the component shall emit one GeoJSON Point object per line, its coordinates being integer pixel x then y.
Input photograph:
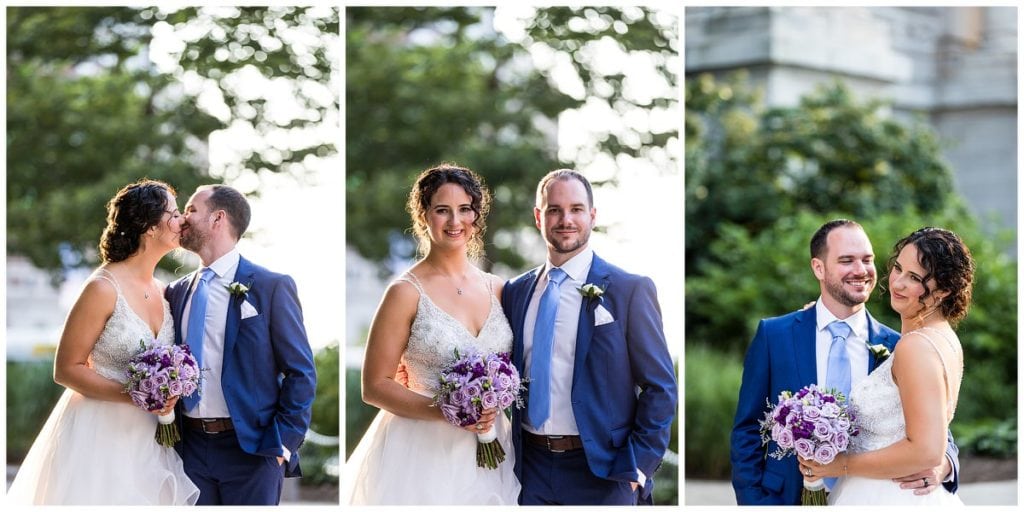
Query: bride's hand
{"type": "Point", "coordinates": [812, 470]}
{"type": "Point", "coordinates": [168, 408]}
{"type": "Point", "coordinates": [485, 422]}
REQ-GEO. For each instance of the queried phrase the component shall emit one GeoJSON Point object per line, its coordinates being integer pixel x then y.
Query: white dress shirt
{"type": "Point", "coordinates": [562, 421]}
{"type": "Point", "coordinates": [211, 402]}
{"type": "Point", "coordinates": [856, 343]}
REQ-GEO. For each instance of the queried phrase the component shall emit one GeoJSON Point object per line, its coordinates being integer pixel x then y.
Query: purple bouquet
{"type": "Point", "coordinates": [812, 423]}
{"type": "Point", "coordinates": [158, 374]}
{"type": "Point", "coordinates": [473, 383]}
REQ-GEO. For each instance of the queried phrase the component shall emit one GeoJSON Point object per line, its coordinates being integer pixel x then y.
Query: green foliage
{"type": "Point", "coordinates": [751, 167]}
{"type": "Point", "coordinates": [994, 438]}
{"type": "Point", "coordinates": [358, 414]}
{"type": "Point", "coordinates": [31, 394]}
{"type": "Point", "coordinates": [87, 112]}
{"type": "Point", "coordinates": [712, 389]}
{"type": "Point", "coordinates": [328, 391]}
{"type": "Point", "coordinates": [427, 85]}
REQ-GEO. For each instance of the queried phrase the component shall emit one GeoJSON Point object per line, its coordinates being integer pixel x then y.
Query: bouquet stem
{"type": "Point", "coordinates": [814, 494]}
{"type": "Point", "coordinates": [489, 452]}
{"type": "Point", "coordinates": [167, 431]}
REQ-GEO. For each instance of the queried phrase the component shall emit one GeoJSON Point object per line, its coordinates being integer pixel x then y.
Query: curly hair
{"type": "Point", "coordinates": [133, 210]}
{"type": "Point", "coordinates": [428, 183]}
{"type": "Point", "coordinates": [946, 259]}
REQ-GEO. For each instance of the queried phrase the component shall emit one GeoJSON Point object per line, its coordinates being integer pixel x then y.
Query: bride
{"type": "Point", "coordinates": [905, 406]}
{"type": "Point", "coordinates": [410, 455]}
{"type": "Point", "coordinates": [97, 447]}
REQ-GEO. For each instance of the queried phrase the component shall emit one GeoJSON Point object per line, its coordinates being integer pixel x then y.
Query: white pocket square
{"type": "Point", "coordinates": [602, 316]}
{"type": "Point", "coordinates": [248, 310]}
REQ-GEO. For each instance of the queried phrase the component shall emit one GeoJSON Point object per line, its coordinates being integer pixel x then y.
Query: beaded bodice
{"type": "Point", "coordinates": [121, 336]}
{"type": "Point", "coordinates": [879, 409]}
{"type": "Point", "coordinates": [436, 335]}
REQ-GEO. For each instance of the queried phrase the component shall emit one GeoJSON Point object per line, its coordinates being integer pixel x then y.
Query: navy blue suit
{"type": "Point", "coordinates": [782, 357]}
{"type": "Point", "coordinates": [268, 374]}
{"type": "Point", "coordinates": [621, 430]}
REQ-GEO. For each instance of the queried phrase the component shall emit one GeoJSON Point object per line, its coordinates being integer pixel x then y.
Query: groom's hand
{"type": "Point", "coordinates": [280, 460]}
{"type": "Point", "coordinates": [633, 486]}
{"type": "Point", "coordinates": [926, 481]}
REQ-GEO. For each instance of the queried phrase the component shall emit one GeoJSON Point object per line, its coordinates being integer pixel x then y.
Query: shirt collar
{"type": "Point", "coordinates": [577, 267]}
{"type": "Point", "coordinates": [858, 321]}
{"type": "Point", "coordinates": [226, 263]}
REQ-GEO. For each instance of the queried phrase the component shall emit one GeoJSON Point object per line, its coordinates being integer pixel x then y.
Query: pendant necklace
{"type": "Point", "coordinates": [457, 287]}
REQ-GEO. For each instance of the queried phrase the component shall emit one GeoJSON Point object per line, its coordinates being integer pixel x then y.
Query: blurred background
{"type": "Point", "coordinates": [512, 93]}
{"type": "Point", "coordinates": [99, 97]}
{"type": "Point", "coordinates": [895, 117]}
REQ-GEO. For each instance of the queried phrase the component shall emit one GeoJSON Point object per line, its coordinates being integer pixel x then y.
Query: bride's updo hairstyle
{"type": "Point", "coordinates": [946, 259]}
{"type": "Point", "coordinates": [428, 183]}
{"type": "Point", "coordinates": [133, 210]}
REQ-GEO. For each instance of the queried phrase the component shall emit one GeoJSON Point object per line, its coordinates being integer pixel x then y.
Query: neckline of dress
{"type": "Point", "coordinates": [149, 328]}
{"type": "Point", "coordinates": [490, 313]}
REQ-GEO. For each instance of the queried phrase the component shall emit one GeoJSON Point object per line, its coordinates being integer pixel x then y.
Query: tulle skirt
{"type": "Point", "coordinates": [871, 491]}
{"type": "Point", "coordinates": [94, 452]}
{"type": "Point", "coordinates": [403, 461]}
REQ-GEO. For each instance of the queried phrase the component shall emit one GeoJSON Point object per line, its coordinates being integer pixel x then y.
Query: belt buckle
{"type": "Point", "coordinates": [547, 440]}
{"type": "Point", "coordinates": [207, 421]}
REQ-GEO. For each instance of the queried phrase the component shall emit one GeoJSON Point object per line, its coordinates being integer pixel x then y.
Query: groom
{"type": "Point", "coordinates": [243, 323]}
{"type": "Point", "coordinates": [793, 351]}
{"type": "Point", "coordinates": [588, 335]}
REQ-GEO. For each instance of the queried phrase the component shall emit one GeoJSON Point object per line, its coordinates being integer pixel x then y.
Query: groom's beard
{"type": "Point", "coordinates": [570, 245]}
{"type": "Point", "coordinates": [836, 290]}
{"type": "Point", "coordinates": [193, 239]}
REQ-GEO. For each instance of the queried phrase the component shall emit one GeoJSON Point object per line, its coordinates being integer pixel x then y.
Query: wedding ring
{"type": "Point", "coordinates": [807, 472]}
{"type": "Point", "coordinates": [479, 427]}
{"type": "Point", "coordinates": [925, 479]}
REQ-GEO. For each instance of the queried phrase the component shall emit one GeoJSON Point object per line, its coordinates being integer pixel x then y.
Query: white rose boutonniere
{"type": "Point", "coordinates": [881, 352]}
{"type": "Point", "coordinates": [591, 291]}
{"type": "Point", "coordinates": [237, 289]}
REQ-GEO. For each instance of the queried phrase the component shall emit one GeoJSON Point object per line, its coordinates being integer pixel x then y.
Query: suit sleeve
{"type": "Point", "coordinates": [747, 453]}
{"type": "Point", "coordinates": [294, 359]}
{"type": "Point", "coordinates": [953, 452]}
{"type": "Point", "coordinates": [651, 365]}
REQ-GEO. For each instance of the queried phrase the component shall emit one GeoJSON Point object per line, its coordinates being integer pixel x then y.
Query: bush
{"type": "Point", "coordinates": [712, 389]}
{"type": "Point", "coordinates": [31, 395]}
{"type": "Point", "coordinates": [328, 391]}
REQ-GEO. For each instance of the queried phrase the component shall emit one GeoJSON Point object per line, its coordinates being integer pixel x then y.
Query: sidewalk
{"type": "Point", "coordinates": [713, 492]}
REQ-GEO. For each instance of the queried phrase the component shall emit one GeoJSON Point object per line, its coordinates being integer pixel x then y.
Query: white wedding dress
{"type": "Point", "coordinates": [95, 452]}
{"type": "Point", "coordinates": [880, 417]}
{"type": "Point", "coordinates": [404, 461]}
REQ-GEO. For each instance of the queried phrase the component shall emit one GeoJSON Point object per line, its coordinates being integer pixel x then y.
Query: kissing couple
{"type": "Point", "coordinates": [243, 324]}
{"type": "Point", "coordinates": [586, 334]}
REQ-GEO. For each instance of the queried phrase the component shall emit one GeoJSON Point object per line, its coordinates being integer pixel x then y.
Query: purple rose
{"type": "Point", "coordinates": [174, 388]}
{"type": "Point", "coordinates": [473, 389]}
{"type": "Point", "coordinates": [823, 430]}
{"type": "Point", "coordinates": [804, 448]}
{"type": "Point", "coordinates": [841, 440]}
{"type": "Point", "coordinates": [505, 400]}
{"type": "Point", "coordinates": [147, 385]}
{"type": "Point", "coordinates": [830, 410]}
{"type": "Point", "coordinates": [784, 440]}
{"type": "Point", "coordinates": [842, 423]}
{"type": "Point", "coordinates": [825, 454]}
{"type": "Point", "coordinates": [489, 399]}
{"type": "Point", "coordinates": [812, 413]}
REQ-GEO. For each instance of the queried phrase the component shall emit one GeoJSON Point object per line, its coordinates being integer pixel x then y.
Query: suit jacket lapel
{"type": "Point", "coordinates": [179, 297]}
{"type": "Point", "coordinates": [244, 275]}
{"type": "Point", "coordinates": [876, 336]}
{"type": "Point", "coordinates": [804, 342]}
{"type": "Point", "coordinates": [600, 275]}
{"type": "Point", "coordinates": [522, 303]}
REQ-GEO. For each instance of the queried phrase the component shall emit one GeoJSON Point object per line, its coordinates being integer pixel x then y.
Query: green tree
{"type": "Point", "coordinates": [426, 85]}
{"type": "Point", "coordinates": [87, 112]}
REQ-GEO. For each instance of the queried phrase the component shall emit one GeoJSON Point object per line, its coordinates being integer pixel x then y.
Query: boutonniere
{"type": "Point", "coordinates": [591, 291]}
{"type": "Point", "coordinates": [237, 289]}
{"type": "Point", "coordinates": [881, 352]}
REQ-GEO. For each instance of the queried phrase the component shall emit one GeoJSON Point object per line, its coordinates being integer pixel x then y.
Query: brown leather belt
{"type": "Point", "coordinates": [555, 444]}
{"type": "Point", "coordinates": [209, 425]}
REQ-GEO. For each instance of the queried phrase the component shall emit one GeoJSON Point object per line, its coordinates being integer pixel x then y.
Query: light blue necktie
{"type": "Point", "coordinates": [197, 327]}
{"type": "Point", "coordinates": [538, 405]}
{"type": "Point", "coordinates": [837, 375]}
